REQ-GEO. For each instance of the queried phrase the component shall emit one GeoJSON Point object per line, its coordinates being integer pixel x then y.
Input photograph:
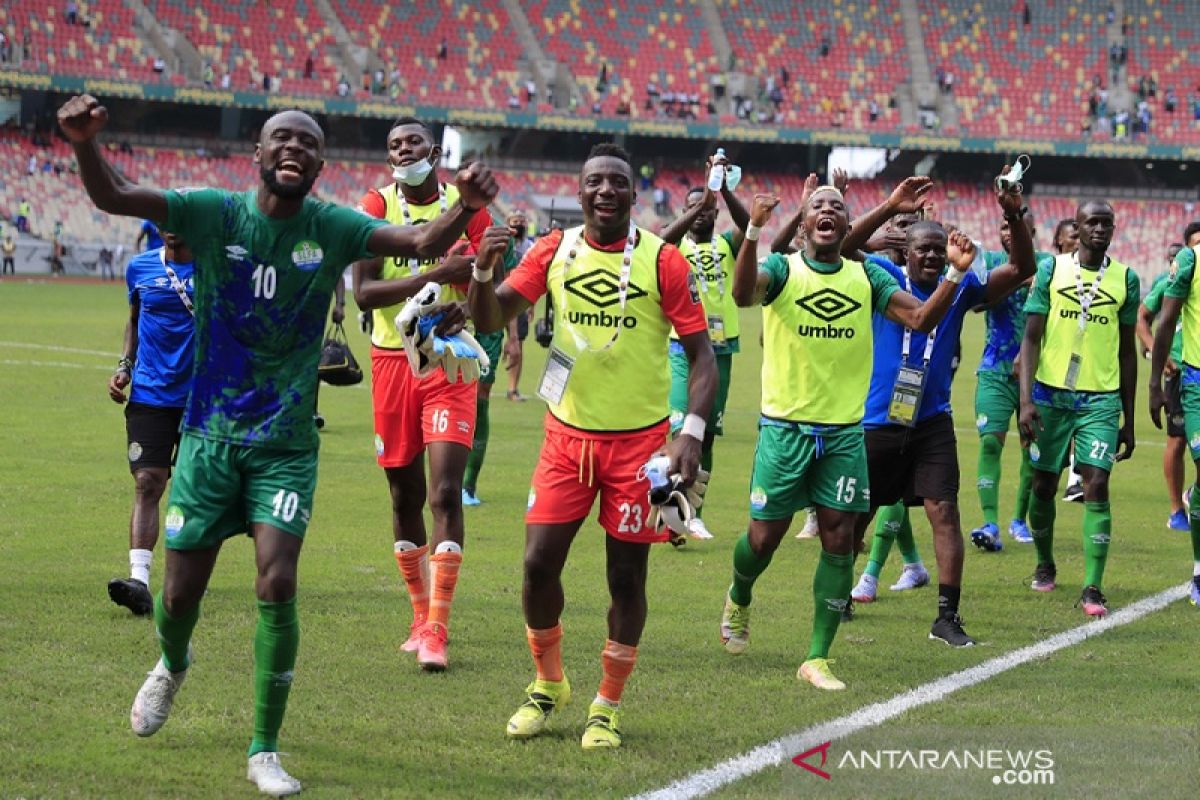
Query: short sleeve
{"type": "Point", "coordinates": [529, 278]}
{"type": "Point", "coordinates": [1133, 297]}
{"type": "Point", "coordinates": [191, 212]}
{"type": "Point", "coordinates": [373, 204]}
{"type": "Point", "coordinates": [131, 279]}
{"type": "Point", "coordinates": [777, 268]}
{"type": "Point", "coordinates": [1179, 285]}
{"type": "Point", "coordinates": [1154, 297]}
{"type": "Point", "coordinates": [680, 298]}
{"type": "Point", "coordinates": [1039, 295]}
{"type": "Point", "coordinates": [729, 238]}
{"type": "Point", "coordinates": [353, 230]}
{"type": "Point", "coordinates": [883, 286]}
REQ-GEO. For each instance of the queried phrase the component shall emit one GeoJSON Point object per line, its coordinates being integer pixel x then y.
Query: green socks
{"type": "Point", "coordinates": [1041, 525]}
{"type": "Point", "coordinates": [892, 523]}
{"type": "Point", "coordinates": [479, 445]}
{"type": "Point", "coordinates": [1194, 523]}
{"type": "Point", "coordinates": [988, 483]}
{"type": "Point", "coordinates": [1024, 486]}
{"type": "Point", "coordinates": [905, 540]}
{"type": "Point", "coordinates": [746, 569]}
{"type": "Point", "coordinates": [1097, 532]}
{"type": "Point", "coordinates": [276, 640]}
{"type": "Point", "coordinates": [174, 634]}
{"type": "Point", "coordinates": [831, 592]}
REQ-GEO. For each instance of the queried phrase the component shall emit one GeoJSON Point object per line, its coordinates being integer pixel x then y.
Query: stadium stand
{"type": "Point", "coordinates": [480, 67]}
{"type": "Point", "coordinates": [107, 43]}
{"type": "Point", "coordinates": [1143, 226]}
{"type": "Point", "coordinates": [1166, 52]}
{"type": "Point", "coordinates": [251, 39]}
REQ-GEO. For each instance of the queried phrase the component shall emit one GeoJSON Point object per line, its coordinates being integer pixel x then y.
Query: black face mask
{"type": "Point", "coordinates": [519, 232]}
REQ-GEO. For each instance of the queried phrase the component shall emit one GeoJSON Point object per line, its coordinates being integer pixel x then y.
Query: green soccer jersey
{"type": "Point", "coordinates": [1179, 286]}
{"type": "Point", "coordinates": [263, 288]}
{"type": "Point", "coordinates": [1153, 301]}
{"type": "Point", "coordinates": [1005, 321]}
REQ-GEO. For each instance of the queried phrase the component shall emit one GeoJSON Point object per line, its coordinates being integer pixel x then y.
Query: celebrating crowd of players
{"type": "Point", "coordinates": [861, 329]}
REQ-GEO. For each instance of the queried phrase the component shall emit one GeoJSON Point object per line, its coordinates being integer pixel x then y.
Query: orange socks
{"type": "Point", "coordinates": [617, 660]}
{"type": "Point", "coordinates": [444, 571]}
{"type": "Point", "coordinates": [414, 566]}
{"type": "Point", "coordinates": [546, 646]}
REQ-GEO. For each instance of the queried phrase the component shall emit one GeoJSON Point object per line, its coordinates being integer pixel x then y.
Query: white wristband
{"type": "Point", "coordinates": [955, 275]}
{"type": "Point", "coordinates": [752, 232]}
{"type": "Point", "coordinates": [693, 426]}
{"type": "Point", "coordinates": [482, 275]}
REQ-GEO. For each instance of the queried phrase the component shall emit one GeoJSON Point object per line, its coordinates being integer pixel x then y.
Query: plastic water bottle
{"type": "Point", "coordinates": [657, 470]}
{"type": "Point", "coordinates": [716, 175]}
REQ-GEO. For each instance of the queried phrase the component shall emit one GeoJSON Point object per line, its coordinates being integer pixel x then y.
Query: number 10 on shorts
{"type": "Point", "coordinates": [284, 505]}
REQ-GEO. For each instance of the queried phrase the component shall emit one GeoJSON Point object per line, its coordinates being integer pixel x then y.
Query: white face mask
{"type": "Point", "coordinates": [413, 174]}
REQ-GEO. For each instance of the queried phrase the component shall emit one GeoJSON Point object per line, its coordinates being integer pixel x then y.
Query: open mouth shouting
{"type": "Point", "coordinates": [289, 171]}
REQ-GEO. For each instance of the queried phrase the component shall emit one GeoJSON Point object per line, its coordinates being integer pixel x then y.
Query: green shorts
{"type": "Point", "coordinates": [219, 489]}
{"type": "Point", "coordinates": [1191, 411]}
{"type": "Point", "coordinates": [798, 466]}
{"type": "Point", "coordinates": [678, 398]}
{"type": "Point", "coordinates": [1093, 424]}
{"type": "Point", "coordinates": [493, 345]}
{"type": "Point", "coordinates": [997, 399]}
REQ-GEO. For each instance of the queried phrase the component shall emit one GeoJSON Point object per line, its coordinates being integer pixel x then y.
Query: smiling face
{"type": "Point", "coordinates": [926, 253]}
{"type": "Point", "coordinates": [606, 195]}
{"type": "Point", "coordinates": [826, 221]}
{"type": "Point", "coordinates": [1096, 223]}
{"type": "Point", "coordinates": [289, 154]}
{"type": "Point", "coordinates": [407, 144]}
{"type": "Point", "coordinates": [706, 220]}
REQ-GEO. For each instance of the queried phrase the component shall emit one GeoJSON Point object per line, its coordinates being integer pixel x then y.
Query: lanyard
{"type": "Point", "coordinates": [176, 284]}
{"type": "Point", "coordinates": [716, 260]}
{"type": "Point", "coordinates": [907, 346]}
{"type": "Point", "coordinates": [414, 264]}
{"type": "Point", "coordinates": [1085, 301]}
{"type": "Point", "coordinates": [581, 343]}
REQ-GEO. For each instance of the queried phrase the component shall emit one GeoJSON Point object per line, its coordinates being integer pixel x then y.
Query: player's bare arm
{"type": "Point", "coordinates": [750, 284]}
{"type": "Point", "coordinates": [1030, 421]}
{"type": "Point", "coordinates": [909, 196]}
{"type": "Point", "coordinates": [684, 450]}
{"type": "Point", "coordinates": [1022, 264]}
{"type": "Point", "coordinates": [907, 310]}
{"type": "Point", "coordinates": [476, 188]}
{"type": "Point", "coordinates": [81, 118]}
{"type": "Point", "coordinates": [492, 308]}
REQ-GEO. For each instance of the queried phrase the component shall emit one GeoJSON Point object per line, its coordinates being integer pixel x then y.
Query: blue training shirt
{"type": "Point", "coordinates": [162, 375]}
{"type": "Point", "coordinates": [154, 239]}
{"type": "Point", "coordinates": [889, 341]}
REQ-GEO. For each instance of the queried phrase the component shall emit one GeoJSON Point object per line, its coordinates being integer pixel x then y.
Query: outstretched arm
{"type": "Point", "coordinates": [81, 118]}
{"type": "Point", "coordinates": [750, 284]}
{"type": "Point", "coordinates": [909, 196]}
{"type": "Point", "coordinates": [476, 189]}
{"type": "Point", "coordinates": [675, 231]}
{"type": "Point", "coordinates": [907, 310]}
{"type": "Point", "coordinates": [1021, 264]}
{"type": "Point", "coordinates": [491, 307]}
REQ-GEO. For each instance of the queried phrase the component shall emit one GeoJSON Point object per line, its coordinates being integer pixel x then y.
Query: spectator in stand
{"type": "Point", "coordinates": [1026, 16]}
{"type": "Point", "coordinates": [226, 79]}
{"type": "Point", "coordinates": [309, 66]}
{"type": "Point", "coordinates": [208, 75]}
{"type": "Point", "coordinates": [160, 66]}
{"type": "Point", "coordinates": [443, 50]}
{"type": "Point", "coordinates": [266, 83]}
{"type": "Point", "coordinates": [1170, 101]}
{"type": "Point", "coordinates": [105, 260]}
{"type": "Point", "coordinates": [72, 13]}
{"type": "Point", "coordinates": [646, 173]}
{"type": "Point", "coordinates": [24, 211]}
{"type": "Point", "coordinates": [343, 86]}
{"type": "Point", "coordinates": [718, 85]}
{"type": "Point", "coordinates": [3, 47]}
{"type": "Point", "coordinates": [27, 45]}
{"type": "Point", "coordinates": [784, 76]}
{"type": "Point", "coordinates": [31, 165]}
{"type": "Point", "coordinates": [531, 93]}
{"type": "Point", "coordinates": [513, 100]}
{"type": "Point", "coordinates": [366, 82]}
{"type": "Point", "coordinates": [825, 45]}
{"type": "Point", "coordinates": [873, 110]}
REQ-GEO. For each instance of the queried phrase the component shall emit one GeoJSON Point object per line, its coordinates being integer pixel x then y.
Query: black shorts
{"type": "Point", "coordinates": [152, 433]}
{"type": "Point", "coordinates": [522, 325]}
{"type": "Point", "coordinates": [913, 464]}
{"type": "Point", "coordinates": [1173, 388]}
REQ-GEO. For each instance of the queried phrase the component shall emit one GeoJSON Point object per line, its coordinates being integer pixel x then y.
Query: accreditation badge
{"type": "Point", "coordinates": [555, 376]}
{"type": "Point", "coordinates": [716, 329]}
{"type": "Point", "coordinates": [906, 396]}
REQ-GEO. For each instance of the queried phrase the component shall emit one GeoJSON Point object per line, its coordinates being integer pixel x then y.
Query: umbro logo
{"type": "Point", "coordinates": [829, 305]}
{"type": "Point", "coordinates": [1101, 299]}
{"type": "Point", "coordinates": [235, 251]}
{"type": "Point", "coordinates": [600, 288]}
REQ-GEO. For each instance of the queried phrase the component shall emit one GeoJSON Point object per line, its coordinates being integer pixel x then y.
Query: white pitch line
{"type": "Point", "coordinates": [59, 349]}
{"type": "Point", "coordinates": [11, 362]}
{"type": "Point", "coordinates": [783, 749]}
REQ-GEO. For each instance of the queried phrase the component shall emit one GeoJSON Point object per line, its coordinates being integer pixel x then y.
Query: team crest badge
{"type": "Point", "coordinates": [758, 499]}
{"type": "Point", "coordinates": [378, 445]}
{"type": "Point", "coordinates": [174, 521]}
{"type": "Point", "coordinates": [1034, 452]}
{"type": "Point", "coordinates": [532, 499]}
{"type": "Point", "coordinates": [981, 421]}
{"type": "Point", "coordinates": [307, 255]}
{"type": "Point", "coordinates": [135, 451]}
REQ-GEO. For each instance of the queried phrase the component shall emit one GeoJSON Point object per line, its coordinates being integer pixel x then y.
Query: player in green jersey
{"type": "Point", "coordinates": [816, 373]}
{"type": "Point", "coordinates": [1176, 438]}
{"type": "Point", "coordinates": [711, 257]}
{"type": "Point", "coordinates": [1182, 301]}
{"type": "Point", "coordinates": [997, 398]}
{"type": "Point", "coordinates": [266, 262]}
{"type": "Point", "coordinates": [1078, 370]}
